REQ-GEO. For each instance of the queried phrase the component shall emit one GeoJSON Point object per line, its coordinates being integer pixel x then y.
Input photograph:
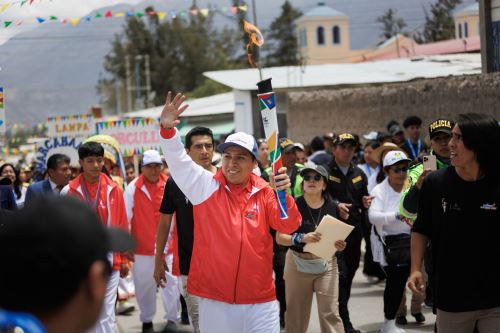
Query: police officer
{"type": "Point", "coordinates": [440, 135]}
{"type": "Point", "coordinates": [348, 185]}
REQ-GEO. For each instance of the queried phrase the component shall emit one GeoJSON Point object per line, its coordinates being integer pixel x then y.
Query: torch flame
{"type": "Point", "coordinates": [255, 38]}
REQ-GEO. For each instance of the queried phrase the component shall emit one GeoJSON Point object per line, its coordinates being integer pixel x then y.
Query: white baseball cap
{"type": "Point", "coordinates": [151, 157]}
{"type": "Point", "coordinates": [240, 139]}
{"type": "Point", "coordinates": [395, 156]}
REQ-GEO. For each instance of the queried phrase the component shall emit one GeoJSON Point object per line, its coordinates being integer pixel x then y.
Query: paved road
{"type": "Point", "coordinates": [366, 307]}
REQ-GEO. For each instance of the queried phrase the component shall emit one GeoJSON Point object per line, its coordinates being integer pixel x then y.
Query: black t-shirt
{"type": "Point", "coordinates": [174, 201]}
{"type": "Point", "coordinates": [312, 217]}
{"type": "Point", "coordinates": [462, 220]}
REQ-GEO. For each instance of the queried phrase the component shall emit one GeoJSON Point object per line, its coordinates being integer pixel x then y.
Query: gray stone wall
{"type": "Point", "coordinates": [363, 109]}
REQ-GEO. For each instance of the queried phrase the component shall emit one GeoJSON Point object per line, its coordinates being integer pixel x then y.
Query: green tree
{"type": "Point", "coordinates": [439, 22]}
{"type": "Point", "coordinates": [180, 50]}
{"type": "Point", "coordinates": [282, 45]}
{"type": "Point", "coordinates": [391, 24]}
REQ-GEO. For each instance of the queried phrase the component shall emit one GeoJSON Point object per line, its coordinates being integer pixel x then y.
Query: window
{"type": "Point", "coordinates": [320, 36]}
{"type": "Point", "coordinates": [304, 36]}
{"type": "Point", "coordinates": [466, 30]}
{"type": "Point", "coordinates": [336, 35]}
{"type": "Point", "coordinates": [459, 30]}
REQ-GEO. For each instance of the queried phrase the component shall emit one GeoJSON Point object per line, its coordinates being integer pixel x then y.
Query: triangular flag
{"type": "Point", "coordinates": [64, 21]}
{"type": "Point", "coordinates": [23, 2]}
{"type": "Point", "coordinates": [183, 13]}
{"type": "Point", "coordinates": [31, 1]}
{"type": "Point", "coordinates": [4, 7]}
{"type": "Point", "coordinates": [98, 15]}
{"type": "Point", "coordinates": [40, 20]}
{"type": "Point", "coordinates": [119, 14]}
{"type": "Point", "coordinates": [234, 9]}
{"type": "Point", "coordinates": [194, 11]}
{"type": "Point", "coordinates": [150, 12]}
{"type": "Point", "coordinates": [75, 20]}
{"type": "Point", "coordinates": [53, 18]}
{"type": "Point", "coordinates": [243, 8]}
{"type": "Point", "coordinates": [139, 14]}
{"type": "Point", "coordinates": [173, 14]}
{"type": "Point", "coordinates": [204, 12]}
{"type": "Point", "coordinates": [88, 18]}
{"type": "Point", "coordinates": [19, 22]}
{"type": "Point", "coordinates": [142, 122]}
{"type": "Point", "coordinates": [161, 15]}
{"type": "Point", "coordinates": [7, 23]}
{"type": "Point", "coordinates": [108, 14]}
{"type": "Point", "coordinates": [129, 14]}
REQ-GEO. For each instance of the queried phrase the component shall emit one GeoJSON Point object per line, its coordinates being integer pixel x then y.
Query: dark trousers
{"type": "Point", "coordinates": [348, 261]}
{"type": "Point", "coordinates": [279, 284]}
{"type": "Point", "coordinates": [395, 285]}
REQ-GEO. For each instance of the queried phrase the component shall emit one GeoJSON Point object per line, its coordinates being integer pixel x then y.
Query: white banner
{"type": "Point", "coordinates": [135, 135]}
{"type": "Point", "coordinates": [82, 125]}
{"type": "Point", "coordinates": [61, 145]}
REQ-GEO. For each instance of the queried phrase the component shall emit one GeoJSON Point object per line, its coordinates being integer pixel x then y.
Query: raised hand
{"type": "Point", "coordinates": [172, 110]}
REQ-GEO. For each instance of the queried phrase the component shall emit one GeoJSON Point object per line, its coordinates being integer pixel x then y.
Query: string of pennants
{"type": "Point", "coordinates": [71, 117]}
{"type": "Point", "coordinates": [137, 151]}
{"type": "Point", "coordinates": [4, 6]}
{"type": "Point", "coordinates": [109, 14]}
{"type": "Point", "coordinates": [129, 122]}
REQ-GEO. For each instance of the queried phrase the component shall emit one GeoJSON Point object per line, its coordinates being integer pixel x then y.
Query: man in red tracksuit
{"type": "Point", "coordinates": [106, 198]}
{"type": "Point", "coordinates": [231, 266]}
{"type": "Point", "coordinates": [143, 197]}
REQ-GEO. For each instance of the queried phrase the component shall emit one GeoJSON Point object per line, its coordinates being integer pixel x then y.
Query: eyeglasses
{"type": "Point", "coordinates": [309, 178]}
{"type": "Point", "coordinates": [400, 169]}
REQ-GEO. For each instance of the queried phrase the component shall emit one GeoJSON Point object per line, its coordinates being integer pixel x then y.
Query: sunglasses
{"type": "Point", "coordinates": [400, 169]}
{"type": "Point", "coordinates": [308, 178]}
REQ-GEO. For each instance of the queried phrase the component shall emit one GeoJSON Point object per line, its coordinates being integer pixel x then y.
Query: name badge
{"type": "Point", "coordinates": [335, 179]}
{"type": "Point", "coordinates": [357, 179]}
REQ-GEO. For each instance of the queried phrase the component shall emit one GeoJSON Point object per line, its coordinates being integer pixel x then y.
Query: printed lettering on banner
{"type": "Point", "coordinates": [135, 135]}
{"type": "Point", "coordinates": [82, 125]}
{"type": "Point", "coordinates": [59, 145]}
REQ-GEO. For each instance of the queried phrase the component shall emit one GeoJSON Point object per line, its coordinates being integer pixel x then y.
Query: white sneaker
{"type": "Point", "coordinates": [390, 327]}
{"type": "Point", "coordinates": [124, 308]}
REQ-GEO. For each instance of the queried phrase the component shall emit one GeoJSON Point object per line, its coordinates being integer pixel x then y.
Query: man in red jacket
{"type": "Point", "coordinates": [231, 266]}
{"type": "Point", "coordinates": [143, 197]}
{"type": "Point", "coordinates": [106, 198]}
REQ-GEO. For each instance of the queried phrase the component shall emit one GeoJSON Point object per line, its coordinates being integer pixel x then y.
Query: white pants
{"type": "Point", "coordinates": [145, 290]}
{"type": "Point", "coordinates": [191, 303]}
{"type": "Point", "coordinates": [106, 322]}
{"type": "Point", "coordinates": [126, 289]}
{"type": "Point", "coordinates": [220, 317]}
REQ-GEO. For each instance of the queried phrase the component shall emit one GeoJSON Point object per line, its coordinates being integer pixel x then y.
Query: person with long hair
{"type": "Point", "coordinates": [306, 274]}
{"type": "Point", "coordinates": [393, 232]}
{"type": "Point", "coordinates": [458, 212]}
{"type": "Point", "coordinates": [8, 170]}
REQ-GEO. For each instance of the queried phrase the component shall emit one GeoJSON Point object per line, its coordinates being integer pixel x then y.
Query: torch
{"type": "Point", "coordinates": [267, 105]}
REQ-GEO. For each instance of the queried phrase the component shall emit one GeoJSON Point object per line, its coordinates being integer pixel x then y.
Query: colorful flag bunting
{"type": "Point", "coordinates": [40, 20]}
{"type": "Point", "coordinates": [7, 23]}
{"type": "Point", "coordinates": [108, 14]}
{"type": "Point", "coordinates": [74, 21]}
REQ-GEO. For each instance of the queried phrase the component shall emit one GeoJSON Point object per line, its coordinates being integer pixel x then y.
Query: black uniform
{"type": "Point", "coordinates": [349, 188]}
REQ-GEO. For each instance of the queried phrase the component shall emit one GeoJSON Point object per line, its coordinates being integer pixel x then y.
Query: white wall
{"type": "Point", "coordinates": [243, 111]}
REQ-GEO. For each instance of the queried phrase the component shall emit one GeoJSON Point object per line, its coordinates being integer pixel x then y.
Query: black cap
{"type": "Point", "coordinates": [344, 137]}
{"type": "Point", "coordinates": [440, 126]}
{"type": "Point", "coordinates": [287, 145]}
{"type": "Point", "coordinates": [395, 129]}
{"type": "Point", "coordinates": [54, 240]}
{"type": "Point", "coordinates": [317, 168]}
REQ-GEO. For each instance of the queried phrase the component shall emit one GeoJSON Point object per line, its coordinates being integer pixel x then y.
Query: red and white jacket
{"type": "Point", "coordinates": [143, 214]}
{"type": "Point", "coordinates": [233, 247]}
{"type": "Point", "coordinates": [117, 217]}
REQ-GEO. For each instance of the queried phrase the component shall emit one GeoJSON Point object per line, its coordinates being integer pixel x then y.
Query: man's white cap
{"type": "Point", "coordinates": [240, 139]}
{"type": "Point", "coordinates": [395, 156]}
{"type": "Point", "coordinates": [151, 157]}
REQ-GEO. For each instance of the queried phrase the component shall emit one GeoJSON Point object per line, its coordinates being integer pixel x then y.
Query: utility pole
{"type": "Point", "coordinates": [148, 79]}
{"type": "Point", "coordinates": [128, 84]}
{"type": "Point", "coordinates": [489, 18]}
{"type": "Point", "coordinates": [138, 85]}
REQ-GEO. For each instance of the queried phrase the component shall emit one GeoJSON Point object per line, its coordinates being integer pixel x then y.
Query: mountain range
{"type": "Point", "coordinates": [53, 69]}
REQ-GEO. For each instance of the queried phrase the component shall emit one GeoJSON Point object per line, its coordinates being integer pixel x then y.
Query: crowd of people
{"type": "Point", "coordinates": [209, 237]}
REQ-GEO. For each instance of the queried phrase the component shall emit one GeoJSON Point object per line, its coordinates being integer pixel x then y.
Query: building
{"type": "Point", "coordinates": [467, 21]}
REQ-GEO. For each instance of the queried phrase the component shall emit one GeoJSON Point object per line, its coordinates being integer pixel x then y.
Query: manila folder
{"type": "Point", "coordinates": [331, 230]}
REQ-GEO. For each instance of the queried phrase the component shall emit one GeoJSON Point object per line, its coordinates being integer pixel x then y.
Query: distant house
{"type": "Point", "coordinates": [467, 21]}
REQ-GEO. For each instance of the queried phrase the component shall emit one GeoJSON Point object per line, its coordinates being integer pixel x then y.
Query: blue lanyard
{"type": "Point", "coordinates": [419, 148]}
{"type": "Point", "coordinates": [369, 169]}
{"type": "Point", "coordinates": [94, 205]}
{"type": "Point", "coordinates": [27, 322]}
